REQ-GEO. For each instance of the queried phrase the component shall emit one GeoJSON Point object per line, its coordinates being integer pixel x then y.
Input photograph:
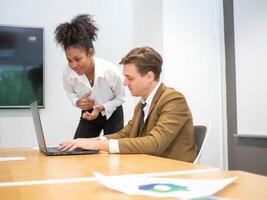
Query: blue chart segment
{"type": "Point", "coordinates": [162, 188]}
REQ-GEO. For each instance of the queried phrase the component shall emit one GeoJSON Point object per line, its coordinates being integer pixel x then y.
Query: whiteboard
{"type": "Point", "coordinates": [250, 23]}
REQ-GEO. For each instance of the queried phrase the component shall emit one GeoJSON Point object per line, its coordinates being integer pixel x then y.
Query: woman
{"type": "Point", "coordinates": [92, 84]}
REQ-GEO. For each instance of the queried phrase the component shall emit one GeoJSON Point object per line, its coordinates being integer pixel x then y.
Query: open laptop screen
{"type": "Point", "coordinates": [50, 151]}
{"type": "Point", "coordinates": [38, 126]}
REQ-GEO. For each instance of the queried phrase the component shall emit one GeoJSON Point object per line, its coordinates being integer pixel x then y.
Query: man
{"type": "Point", "coordinates": [167, 127]}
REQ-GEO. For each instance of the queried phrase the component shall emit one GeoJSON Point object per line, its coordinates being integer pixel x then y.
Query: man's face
{"type": "Point", "coordinates": [137, 84]}
{"type": "Point", "coordinates": [78, 59]}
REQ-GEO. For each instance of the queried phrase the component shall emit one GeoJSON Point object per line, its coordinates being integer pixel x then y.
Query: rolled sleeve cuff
{"type": "Point", "coordinates": [113, 146]}
{"type": "Point", "coordinates": [108, 111]}
{"type": "Point", "coordinates": [73, 100]}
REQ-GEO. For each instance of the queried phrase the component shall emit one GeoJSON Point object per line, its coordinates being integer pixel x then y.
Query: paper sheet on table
{"type": "Point", "coordinates": [163, 187]}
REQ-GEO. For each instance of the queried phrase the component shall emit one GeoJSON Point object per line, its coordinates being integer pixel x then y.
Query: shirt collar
{"type": "Point", "coordinates": [72, 74]}
{"type": "Point", "coordinates": [151, 95]}
{"type": "Point", "coordinates": [99, 70]}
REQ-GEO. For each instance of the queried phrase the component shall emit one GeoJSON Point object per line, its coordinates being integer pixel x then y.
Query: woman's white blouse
{"type": "Point", "coordinates": [107, 90]}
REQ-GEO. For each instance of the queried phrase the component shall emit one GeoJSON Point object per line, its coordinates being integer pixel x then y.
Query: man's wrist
{"type": "Point", "coordinates": [103, 145]}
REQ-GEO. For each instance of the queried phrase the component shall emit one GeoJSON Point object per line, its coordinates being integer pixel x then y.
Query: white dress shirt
{"type": "Point", "coordinates": [108, 89]}
{"type": "Point", "coordinates": [113, 143]}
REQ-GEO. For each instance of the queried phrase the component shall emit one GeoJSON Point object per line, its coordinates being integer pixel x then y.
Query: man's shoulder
{"type": "Point", "coordinates": [170, 92]}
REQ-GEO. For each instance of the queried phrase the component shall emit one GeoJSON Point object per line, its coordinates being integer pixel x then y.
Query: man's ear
{"type": "Point", "coordinates": [150, 76]}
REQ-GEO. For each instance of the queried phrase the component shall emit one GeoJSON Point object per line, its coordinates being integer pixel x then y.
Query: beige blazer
{"type": "Point", "coordinates": [167, 132]}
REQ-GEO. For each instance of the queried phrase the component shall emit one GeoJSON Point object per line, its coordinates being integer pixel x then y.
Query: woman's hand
{"type": "Point", "coordinates": [84, 103]}
{"type": "Point", "coordinates": [97, 108]}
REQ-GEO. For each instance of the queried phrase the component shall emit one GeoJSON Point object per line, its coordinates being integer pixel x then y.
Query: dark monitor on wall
{"type": "Point", "coordinates": [21, 66]}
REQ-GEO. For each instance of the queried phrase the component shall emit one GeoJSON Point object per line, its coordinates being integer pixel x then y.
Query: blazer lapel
{"type": "Point", "coordinates": [153, 103]}
{"type": "Point", "coordinates": [156, 98]}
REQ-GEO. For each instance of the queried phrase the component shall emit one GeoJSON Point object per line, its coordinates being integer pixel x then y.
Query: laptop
{"type": "Point", "coordinates": [50, 151]}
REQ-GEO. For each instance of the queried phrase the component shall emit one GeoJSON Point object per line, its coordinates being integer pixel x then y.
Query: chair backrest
{"type": "Point", "coordinates": [201, 133]}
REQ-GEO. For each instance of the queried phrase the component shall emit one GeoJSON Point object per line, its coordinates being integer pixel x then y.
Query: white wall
{"type": "Point", "coordinates": [187, 33]}
{"type": "Point", "coordinates": [192, 54]}
{"type": "Point", "coordinates": [148, 24]}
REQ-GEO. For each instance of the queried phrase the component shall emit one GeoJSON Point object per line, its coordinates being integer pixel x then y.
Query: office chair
{"type": "Point", "coordinates": [201, 133]}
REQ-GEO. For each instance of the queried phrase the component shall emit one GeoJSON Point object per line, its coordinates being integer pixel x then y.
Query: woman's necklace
{"type": "Point", "coordinates": [91, 76]}
{"type": "Point", "coordinates": [91, 81]}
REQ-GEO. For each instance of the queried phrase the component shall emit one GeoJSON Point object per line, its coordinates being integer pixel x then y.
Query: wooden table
{"type": "Point", "coordinates": [40, 167]}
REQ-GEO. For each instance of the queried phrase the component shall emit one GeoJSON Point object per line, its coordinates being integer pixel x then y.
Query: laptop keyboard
{"type": "Point", "coordinates": [53, 149]}
{"type": "Point", "coordinates": [57, 151]}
